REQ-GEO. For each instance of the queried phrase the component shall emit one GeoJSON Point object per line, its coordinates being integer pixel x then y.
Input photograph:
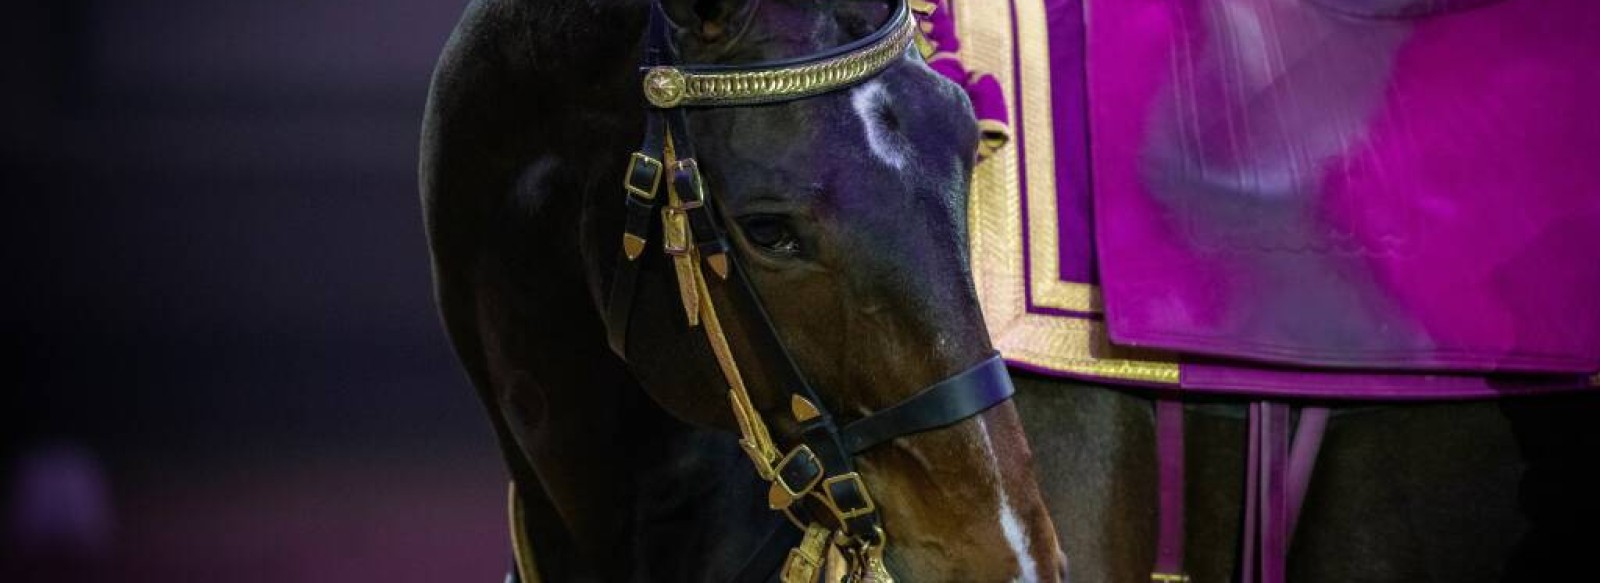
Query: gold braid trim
{"type": "Point", "coordinates": [667, 87]}
{"type": "Point", "coordinates": [756, 439]}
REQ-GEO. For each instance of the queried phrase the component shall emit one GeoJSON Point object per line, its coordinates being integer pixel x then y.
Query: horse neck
{"type": "Point", "coordinates": [637, 493]}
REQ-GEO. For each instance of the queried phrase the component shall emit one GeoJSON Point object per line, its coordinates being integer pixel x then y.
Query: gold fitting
{"type": "Point", "coordinates": [719, 264]}
{"type": "Point", "coordinates": [833, 505]}
{"type": "Point", "coordinates": [1159, 577]}
{"type": "Point", "coordinates": [693, 168]}
{"type": "Point", "coordinates": [797, 490]}
{"type": "Point", "coordinates": [675, 229]}
{"type": "Point", "coordinates": [803, 409]}
{"type": "Point", "coordinates": [805, 561]}
{"type": "Point", "coordinates": [869, 567]}
{"type": "Point", "coordinates": [632, 245]}
{"type": "Point", "coordinates": [778, 497]}
{"type": "Point", "coordinates": [665, 87]}
{"type": "Point", "coordinates": [644, 191]}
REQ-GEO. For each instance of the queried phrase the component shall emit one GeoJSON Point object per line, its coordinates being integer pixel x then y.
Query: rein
{"type": "Point", "coordinates": [810, 468]}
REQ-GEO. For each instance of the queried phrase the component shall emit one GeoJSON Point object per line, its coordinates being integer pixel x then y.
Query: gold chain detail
{"type": "Point", "coordinates": [762, 86]}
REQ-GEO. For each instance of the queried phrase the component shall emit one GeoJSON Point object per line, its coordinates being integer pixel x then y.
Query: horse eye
{"type": "Point", "coordinates": [771, 233]}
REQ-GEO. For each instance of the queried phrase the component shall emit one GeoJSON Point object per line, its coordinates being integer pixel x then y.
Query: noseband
{"type": "Point", "coordinates": [810, 469]}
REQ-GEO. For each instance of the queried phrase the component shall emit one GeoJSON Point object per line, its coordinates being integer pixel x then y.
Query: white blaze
{"type": "Point", "coordinates": [1010, 525]}
{"type": "Point", "coordinates": [867, 99]}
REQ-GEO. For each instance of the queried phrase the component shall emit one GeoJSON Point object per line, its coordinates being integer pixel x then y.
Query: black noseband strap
{"type": "Point", "coordinates": [952, 400]}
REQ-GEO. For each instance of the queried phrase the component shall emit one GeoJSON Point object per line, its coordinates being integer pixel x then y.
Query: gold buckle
{"type": "Point", "coordinates": [634, 161]}
{"type": "Point", "coordinates": [699, 181]}
{"type": "Point", "coordinates": [861, 487]}
{"type": "Point", "coordinates": [675, 231]}
{"type": "Point", "coordinates": [1159, 577]}
{"type": "Point", "coordinates": [806, 560]}
{"type": "Point", "coordinates": [777, 472]}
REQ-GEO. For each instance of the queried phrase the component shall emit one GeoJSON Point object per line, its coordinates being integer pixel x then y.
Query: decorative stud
{"type": "Point", "coordinates": [803, 410]}
{"type": "Point", "coordinates": [778, 498]}
{"type": "Point", "coordinates": [719, 264]}
{"type": "Point", "coordinates": [632, 245]}
{"type": "Point", "coordinates": [665, 87]}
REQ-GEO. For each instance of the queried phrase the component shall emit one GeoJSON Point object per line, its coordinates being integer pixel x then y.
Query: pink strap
{"type": "Point", "coordinates": [1274, 513]}
{"type": "Point", "coordinates": [1252, 495]}
{"type": "Point", "coordinates": [1277, 474]}
{"type": "Point", "coordinates": [1169, 460]}
{"type": "Point", "coordinates": [1303, 458]}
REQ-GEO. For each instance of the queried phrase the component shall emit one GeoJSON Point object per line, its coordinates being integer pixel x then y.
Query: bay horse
{"type": "Point", "coordinates": [824, 244]}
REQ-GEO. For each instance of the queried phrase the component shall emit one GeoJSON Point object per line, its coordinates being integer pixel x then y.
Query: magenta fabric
{"type": "Point", "coordinates": [1292, 183]}
{"type": "Point", "coordinates": [988, 101]}
{"type": "Point", "coordinates": [1289, 383]}
{"type": "Point", "coordinates": [1070, 126]}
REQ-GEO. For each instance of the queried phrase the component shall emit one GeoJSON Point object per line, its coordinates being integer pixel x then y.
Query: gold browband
{"type": "Point", "coordinates": [668, 87]}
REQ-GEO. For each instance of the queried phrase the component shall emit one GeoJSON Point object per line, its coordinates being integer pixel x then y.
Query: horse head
{"type": "Point", "coordinates": [843, 215]}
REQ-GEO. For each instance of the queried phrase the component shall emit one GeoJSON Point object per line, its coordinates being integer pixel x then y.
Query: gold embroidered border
{"type": "Point", "coordinates": [1057, 343]}
{"type": "Point", "coordinates": [1038, 127]}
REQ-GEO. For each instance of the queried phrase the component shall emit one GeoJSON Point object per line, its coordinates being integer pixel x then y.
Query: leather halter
{"type": "Point", "coordinates": [811, 468]}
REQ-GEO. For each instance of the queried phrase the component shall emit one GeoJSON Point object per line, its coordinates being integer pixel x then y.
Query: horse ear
{"type": "Point", "coordinates": [711, 20]}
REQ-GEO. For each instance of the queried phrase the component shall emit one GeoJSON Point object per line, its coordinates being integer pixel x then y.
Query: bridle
{"type": "Point", "coordinates": [810, 468]}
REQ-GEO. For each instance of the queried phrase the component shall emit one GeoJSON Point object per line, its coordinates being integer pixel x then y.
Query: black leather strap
{"type": "Point", "coordinates": [953, 399]}
{"type": "Point", "coordinates": [646, 174]}
{"type": "Point", "coordinates": [821, 467]}
{"type": "Point", "coordinates": [768, 559]}
{"type": "Point", "coordinates": [641, 198]}
{"type": "Point", "coordinates": [690, 186]}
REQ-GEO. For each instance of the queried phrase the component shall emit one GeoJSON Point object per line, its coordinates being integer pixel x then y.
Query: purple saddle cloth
{"type": "Point", "coordinates": [1365, 199]}
{"type": "Point", "coordinates": [1350, 184]}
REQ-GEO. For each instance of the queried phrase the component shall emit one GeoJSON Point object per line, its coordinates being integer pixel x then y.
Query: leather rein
{"type": "Point", "coordinates": [811, 471]}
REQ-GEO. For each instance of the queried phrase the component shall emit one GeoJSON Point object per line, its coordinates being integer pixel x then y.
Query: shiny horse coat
{"type": "Point", "coordinates": [847, 212]}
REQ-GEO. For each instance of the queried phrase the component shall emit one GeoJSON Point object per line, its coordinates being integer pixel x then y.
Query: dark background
{"type": "Point", "coordinates": [222, 360]}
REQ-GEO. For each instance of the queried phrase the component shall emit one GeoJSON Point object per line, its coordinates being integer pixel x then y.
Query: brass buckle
{"type": "Point", "coordinates": [805, 561]}
{"type": "Point", "coordinates": [1159, 577]}
{"type": "Point", "coordinates": [693, 168]}
{"type": "Point", "coordinates": [675, 231]}
{"type": "Point", "coordinates": [777, 472]}
{"type": "Point", "coordinates": [636, 160]}
{"type": "Point", "coordinates": [833, 505]}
